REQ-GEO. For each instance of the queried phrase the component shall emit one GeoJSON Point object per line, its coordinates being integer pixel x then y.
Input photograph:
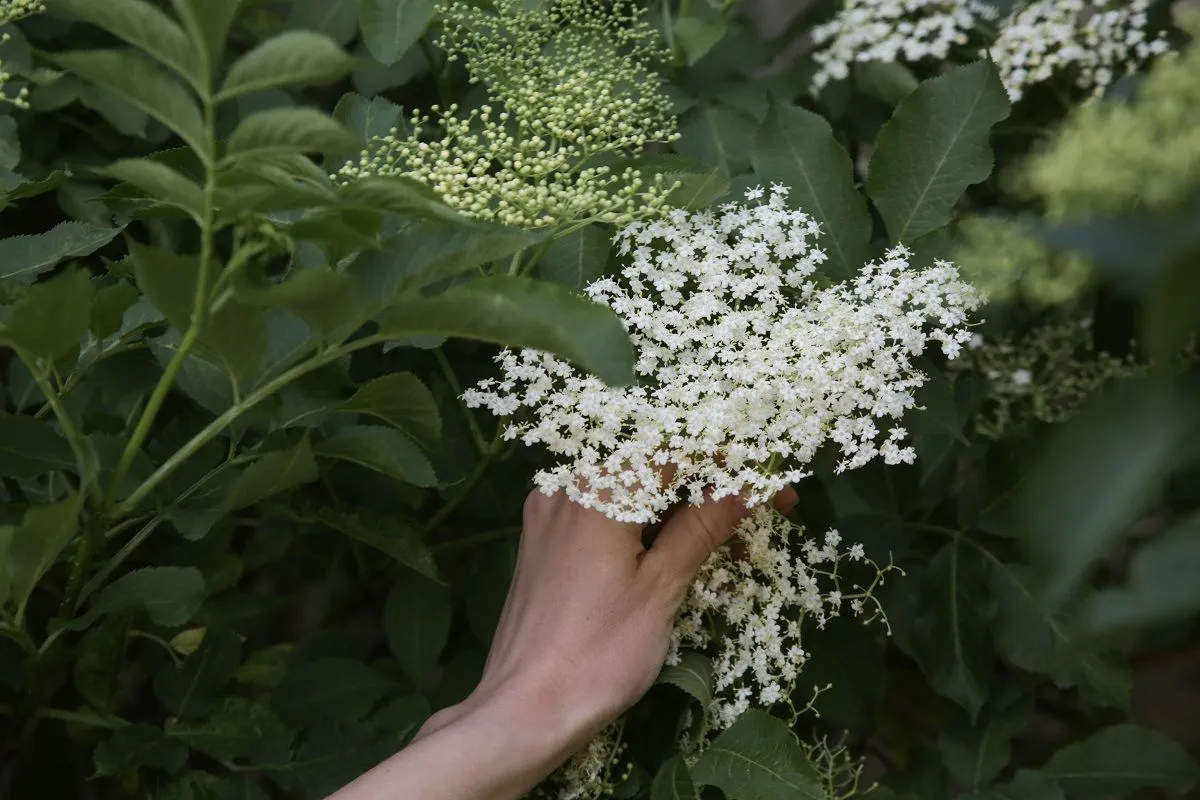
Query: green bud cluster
{"type": "Point", "coordinates": [11, 11]}
{"type": "Point", "coordinates": [571, 89]}
{"type": "Point", "coordinates": [1112, 158]}
{"type": "Point", "coordinates": [1006, 263]}
{"type": "Point", "coordinates": [1043, 377]}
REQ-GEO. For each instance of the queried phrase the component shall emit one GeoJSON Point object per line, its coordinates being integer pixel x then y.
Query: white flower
{"type": "Point", "coordinates": [1022, 377]}
{"type": "Point", "coordinates": [746, 366]}
{"type": "Point", "coordinates": [893, 30]}
{"type": "Point", "coordinates": [1093, 39]}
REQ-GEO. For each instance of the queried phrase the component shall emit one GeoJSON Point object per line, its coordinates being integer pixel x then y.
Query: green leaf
{"type": "Point", "coordinates": [52, 316]}
{"type": "Point", "coordinates": [390, 27]}
{"type": "Point", "coordinates": [329, 690]}
{"type": "Point", "coordinates": [167, 279]}
{"type": "Point", "coordinates": [170, 596]}
{"type": "Point", "coordinates": [384, 450]}
{"type": "Point", "coordinates": [287, 130]}
{"type": "Point", "coordinates": [520, 312]}
{"type": "Point", "coordinates": [207, 23]}
{"type": "Point", "coordinates": [575, 260]}
{"type": "Point", "coordinates": [10, 143]}
{"type": "Point", "coordinates": [1160, 586]}
{"type": "Point", "coordinates": [674, 782]}
{"type": "Point", "coordinates": [272, 474]}
{"type": "Point", "coordinates": [368, 118]}
{"type": "Point", "coordinates": [135, 747]}
{"type": "Point", "coordinates": [161, 183]}
{"type": "Point", "coordinates": [718, 134]}
{"type": "Point", "coordinates": [30, 448]}
{"type": "Point", "coordinates": [758, 758]}
{"type": "Point", "coordinates": [935, 146]}
{"type": "Point", "coordinates": [797, 148]}
{"type": "Point", "coordinates": [951, 631]}
{"type": "Point", "coordinates": [693, 674]}
{"type": "Point", "coordinates": [1121, 759]}
{"type": "Point", "coordinates": [322, 298]}
{"type": "Point", "coordinates": [145, 27]}
{"type": "Point", "coordinates": [101, 657]}
{"type": "Point", "coordinates": [698, 36]}
{"type": "Point", "coordinates": [36, 544]}
{"type": "Point", "coordinates": [416, 621]}
{"type": "Point", "coordinates": [386, 533]}
{"type": "Point", "coordinates": [291, 58]}
{"type": "Point", "coordinates": [975, 754]}
{"type": "Point", "coordinates": [1027, 785]}
{"type": "Point", "coordinates": [191, 690]}
{"type": "Point", "coordinates": [696, 184]}
{"type": "Point", "coordinates": [337, 19]}
{"type": "Point", "coordinates": [1126, 442]}
{"type": "Point", "coordinates": [23, 258]}
{"type": "Point", "coordinates": [236, 728]}
{"type": "Point", "coordinates": [400, 399]}
{"type": "Point", "coordinates": [398, 195]}
{"type": "Point", "coordinates": [147, 87]}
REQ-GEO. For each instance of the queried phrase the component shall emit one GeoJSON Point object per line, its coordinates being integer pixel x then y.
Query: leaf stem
{"type": "Point", "coordinates": [456, 386]}
{"type": "Point", "coordinates": [465, 488]}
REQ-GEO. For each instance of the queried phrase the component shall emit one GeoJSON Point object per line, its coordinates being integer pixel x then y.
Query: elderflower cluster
{"type": "Point", "coordinates": [764, 590]}
{"type": "Point", "coordinates": [12, 11]}
{"type": "Point", "coordinates": [746, 364]}
{"type": "Point", "coordinates": [570, 85]}
{"type": "Point", "coordinates": [1044, 377]}
{"type": "Point", "coordinates": [1005, 262]}
{"type": "Point", "coordinates": [1095, 40]}
{"type": "Point", "coordinates": [1112, 158]}
{"type": "Point", "coordinates": [893, 30]}
{"type": "Point", "coordinates": [592, 772]}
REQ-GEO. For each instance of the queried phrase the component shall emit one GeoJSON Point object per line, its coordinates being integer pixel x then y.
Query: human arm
{"type": "Point", "coordinates": [582, 636]}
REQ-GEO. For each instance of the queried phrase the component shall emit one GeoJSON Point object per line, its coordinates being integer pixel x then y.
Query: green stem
{"type": "Point", "coordinates": [117, 560]}
{"type": "Point", "coordinates": [456, 387]}
{"type": "Point", "coordinates": [464, 490]}
{"type": "Point", "coordinates": [73, 437]}
{"type": "Point", "coordinates": [477, 539]}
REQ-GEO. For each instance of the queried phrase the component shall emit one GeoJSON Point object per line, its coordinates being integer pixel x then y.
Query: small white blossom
{"type": "Point", "coordinates": [1022, 377]}
{"type": "Point", "coordinates": [746, 366]}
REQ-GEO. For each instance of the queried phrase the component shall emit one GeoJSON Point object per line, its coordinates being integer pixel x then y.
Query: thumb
{"type": "Point", "coordinates": [692, 534]}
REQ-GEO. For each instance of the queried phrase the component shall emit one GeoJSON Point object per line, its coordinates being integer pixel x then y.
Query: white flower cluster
{"type": "Point", "coordinates": [893, 30]}
{"type": "Point", "coordinates": [764, 593]}
{"type": "Point", "coordinates": [11, 11]}
{"type": "Point", "coordinates": [569, 81]}
{"type": "Point", "coordinates": [1096, 40]}
{"type": "Point", "coordinates": [590, 773]}
{"type": "Point", "coordinates": [746, 365]}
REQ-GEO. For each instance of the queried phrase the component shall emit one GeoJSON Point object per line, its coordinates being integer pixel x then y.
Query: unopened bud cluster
{"type": "Point", "coordinates": [1008, 263]}
{"type": "Point", "coordinates": [570, 88]}
{"type": "Point", "coordinates": [11, 11]}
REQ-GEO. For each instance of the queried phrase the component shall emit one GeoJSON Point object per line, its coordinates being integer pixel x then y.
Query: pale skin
{"type": "Point", "coordinates": [582, 636]}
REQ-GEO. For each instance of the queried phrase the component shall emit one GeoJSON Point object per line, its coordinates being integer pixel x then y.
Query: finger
{"type": "Point", "coordinates": [785, 500]}
{"type": "Point", "coordinates": [692, 534]}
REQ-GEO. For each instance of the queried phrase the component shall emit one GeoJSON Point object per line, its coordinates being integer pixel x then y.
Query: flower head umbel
{"type": "Point", "coordinates": [569, 82]}
{"type": "Point", "coordinates": [12, 11]}
{"type": "Point", "coordinates": [1095, 40]}
{"type": "Point", "coordinates": [746, 365]}
{"type": "Point", "coordinates": [893, 30]}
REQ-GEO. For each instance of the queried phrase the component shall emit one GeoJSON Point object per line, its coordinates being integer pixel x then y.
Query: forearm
{"type": "Point", "coordinates": [491, 749]}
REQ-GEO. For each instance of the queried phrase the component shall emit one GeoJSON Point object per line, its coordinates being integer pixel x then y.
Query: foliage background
{"type": "Point", "coordinates": [326, 567]}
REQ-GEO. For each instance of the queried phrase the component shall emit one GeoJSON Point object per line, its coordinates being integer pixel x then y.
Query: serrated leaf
{"type": "Point", "coordinates": [145, 86]}
{"type": "Point", "coordinates": [368, 118]}
{"type": "Point", "coordinates": [236, 728]}
{"type": "Point", "coordinates": [398, 195]}
{"type": "Point", "coordinates": [693, 674]}
{"type": "Point", "coordinates": [321, 297]}
{"type": "Point", "coordinates": [329, 690]}
{"type": "Point", "coordinates": [137, 746]}
{"type": "Point", "coordinates": [390, 27]}
{"type": "Point", "coordinates": [975, 754]}
{"type": "Point", "coordinates": [207, 23]}
{"type": "Point", "coordinates": [145, 27]}
{"type": "Point", "coordinates": [161, 183]}
{"type": "Point", "coordinates": [30, 448]}
{"type": "Point", "coordinates": [272, 474]}
{"type": "Point", "coordinates": [416, 621]}
{"type": "Point", "coordinates": [758, 758]}
{"type": "Point", "coordinates": [520, 312]}
{"type": "Point", "coordinates": [935, 145]}
{"type": "Point", "coordinates": [718, 134]}
{"type": "Point", "coordinates": [35, 545]}
{"type": "Point", "coordinates": [797, 148]}
{"type": "Point", "coordinates": [52, 316]}
{"type": "Point", "coordinates": [190, 691]}
{"type": "Point", "coordinates": [170, 596]}
{"type": "Point", "coordinates": [23, 258]}
{"type": "Point", "coordinates": [1119, 760]}
{"type": "Point", "coordinates": [575, 260]}
{"type": "Point", "coordinates": [101, 657]}
{"type": "Point", "coordinates": [291, 58]}
{"type": "Point", "coordinates": [402, 400]}
{"type": "Point", "coordinates": [674, 782]}
{"type": "Point", "coordinates": [388, 534]}
{"type": "Point", "coordinates": [697, 36]}
{"type": "Point", "coordinates": [384, 450]}
{"type": "Point", "coordinates": [337, 19]}
{"type": "Point", "coordinates": [287, 130]}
